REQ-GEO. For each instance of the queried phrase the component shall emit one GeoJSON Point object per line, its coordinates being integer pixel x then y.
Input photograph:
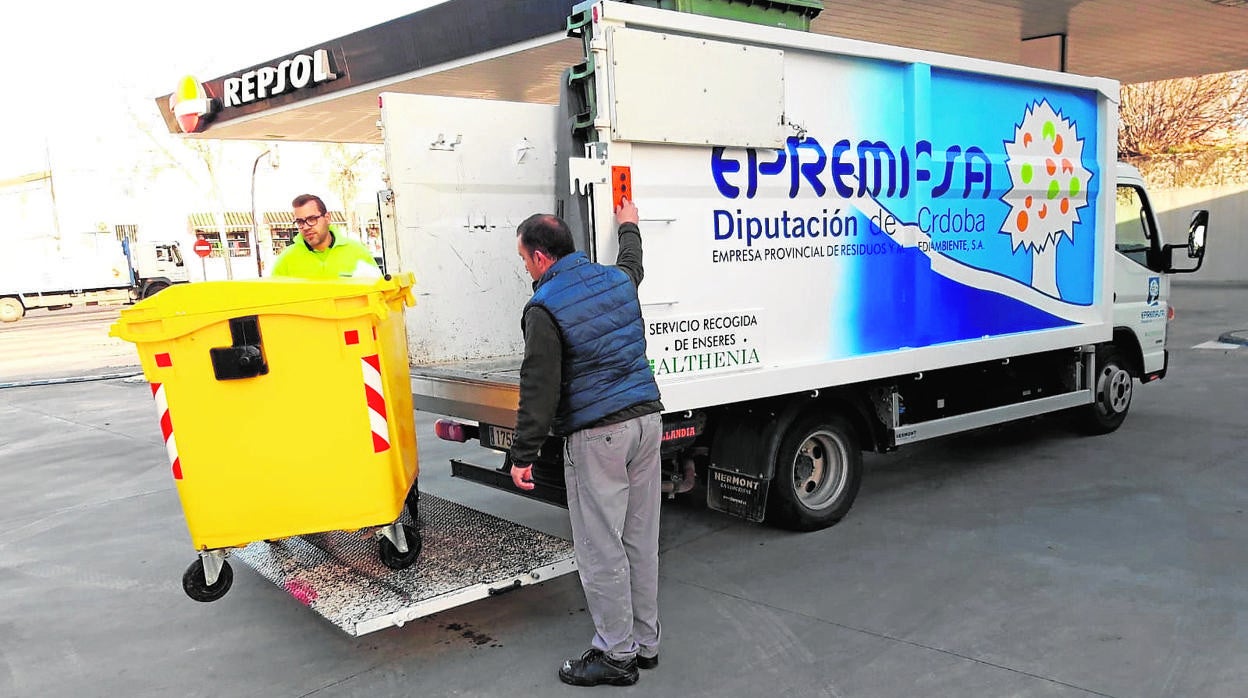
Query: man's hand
{"type": "Point", "coordinates": [626, 213]}
{"type": "Point", "coordinates": [522, 476]}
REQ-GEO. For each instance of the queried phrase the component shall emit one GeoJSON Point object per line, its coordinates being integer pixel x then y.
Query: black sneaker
{"type": "Point", "coordinates": [647, 662]}
{"type": "Point", "coordinates": [595, 668]}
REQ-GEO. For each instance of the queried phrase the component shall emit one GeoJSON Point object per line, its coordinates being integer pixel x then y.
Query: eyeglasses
{"type": "Point", "coordinates": [308, 222]}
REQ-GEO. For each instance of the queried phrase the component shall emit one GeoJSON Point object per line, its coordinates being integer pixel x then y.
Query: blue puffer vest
{"type": "Point", "coordinates": [605, 368]}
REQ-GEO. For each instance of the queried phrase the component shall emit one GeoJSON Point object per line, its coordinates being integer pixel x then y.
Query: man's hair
{"type": "Point", "coordinates": [305, 198]}
{"type": "Point", "coordinates": [547, 233]}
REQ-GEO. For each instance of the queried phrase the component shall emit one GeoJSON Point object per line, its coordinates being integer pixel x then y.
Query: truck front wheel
{"type": "Point", "coordinates": [153, 288]}
{"type": "Point", "coordinates": [11, 310]}
{"type": "Point", "coordinates": [1112, 395]}
{"type": "Point", "coordinates": [818, 470]}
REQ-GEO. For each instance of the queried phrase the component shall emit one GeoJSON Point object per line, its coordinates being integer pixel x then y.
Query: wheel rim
{"type": "Point", "coordinates": [1115, 389]}
{"type": "Point", "coordinates": [819, 470]}
{"type": "Point", "coordinates": [9, 310]}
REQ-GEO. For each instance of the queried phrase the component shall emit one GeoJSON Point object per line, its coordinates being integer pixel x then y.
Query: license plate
{"type": "Point", "coordinates": [498, 438]}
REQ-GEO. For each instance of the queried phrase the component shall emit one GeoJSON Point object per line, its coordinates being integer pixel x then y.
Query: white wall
{"type": "Point", "coordinates": [1227, 257]}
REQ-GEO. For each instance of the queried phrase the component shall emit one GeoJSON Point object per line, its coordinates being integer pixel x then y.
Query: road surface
{"type": "Point", "coordinates": [63, 343]}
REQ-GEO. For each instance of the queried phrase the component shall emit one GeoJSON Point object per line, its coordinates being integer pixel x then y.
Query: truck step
{"type": "Point", "coordinates": [548, 486]}
{"type": "Point", "coordinates": [468, 555]}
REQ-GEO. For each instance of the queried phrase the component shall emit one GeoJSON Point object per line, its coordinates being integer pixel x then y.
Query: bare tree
{"type": "Point", "coordinates": [348, 165]}
{"type": "Point", "coordinates": [1184, 114]}
{"type": "Point", "coordinates": [201, 160]}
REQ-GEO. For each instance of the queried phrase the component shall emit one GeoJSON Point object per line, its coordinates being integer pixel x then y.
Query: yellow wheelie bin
{"type": "Point", "coordinates": [286, 409]}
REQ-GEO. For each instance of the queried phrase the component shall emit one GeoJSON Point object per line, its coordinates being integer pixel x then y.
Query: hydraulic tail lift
{"type": "Point", "coordinates": [468, 555]}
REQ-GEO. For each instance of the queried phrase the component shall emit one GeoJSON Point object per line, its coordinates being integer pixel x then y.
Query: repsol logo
{"type": "Point", "coordinates": [867, 167]}
{"type": "Point", "coordinates": [291, 74]}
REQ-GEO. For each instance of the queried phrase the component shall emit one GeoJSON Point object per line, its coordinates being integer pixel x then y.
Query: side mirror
{"type": "Point", "coordinates": [1196, 234]}
{"type": "Point", "coordinates": [1195, 244]}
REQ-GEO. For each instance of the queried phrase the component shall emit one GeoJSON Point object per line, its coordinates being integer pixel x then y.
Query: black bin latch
{"type": "Point", "coordinates": [246, 358]}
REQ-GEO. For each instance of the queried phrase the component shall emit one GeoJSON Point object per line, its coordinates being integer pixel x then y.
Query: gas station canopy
{"type": "Point", "coordinates": [515, 52]}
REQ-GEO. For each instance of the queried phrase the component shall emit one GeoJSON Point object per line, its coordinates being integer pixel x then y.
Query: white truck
{"type": "Point", "coordinates": [848, 246]}
{"type": "Point", "coordinates": [84, 269]}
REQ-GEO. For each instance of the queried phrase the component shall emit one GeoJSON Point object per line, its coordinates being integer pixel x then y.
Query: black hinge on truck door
{"type": "Point", "coordinates": [245, 359]}
{"type": "Point", "coordinates": [583, 100]}
{"type": "Point", "coordinates": [579, 79]}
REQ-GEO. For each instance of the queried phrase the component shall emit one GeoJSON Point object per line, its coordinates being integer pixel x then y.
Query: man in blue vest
{"type": "Point", "coordinates": [585, 377]}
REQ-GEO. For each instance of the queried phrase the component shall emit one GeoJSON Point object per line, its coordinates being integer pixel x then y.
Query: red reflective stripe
{"type": "Point", "coordinates": [379, 444]}
{"type": "Point", "coordinates": [166, 425]}
{"type": "Point", "coordinates": [376, 402]}
{"type": "Point", "coordinates": [155, 388]}
{"type": "Point", "coordinates": [374, 361]}
{"type": "Point", "coordinates": [177, 469]}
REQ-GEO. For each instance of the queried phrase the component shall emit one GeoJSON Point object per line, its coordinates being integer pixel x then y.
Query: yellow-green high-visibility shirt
{"type": "Point", "coordinates": [340, 259]}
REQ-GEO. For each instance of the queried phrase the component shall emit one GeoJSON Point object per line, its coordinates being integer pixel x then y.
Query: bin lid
{"type": "Point", "coordinates": [196, 304]}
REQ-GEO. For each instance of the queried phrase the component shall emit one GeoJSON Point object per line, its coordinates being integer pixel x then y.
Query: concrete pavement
{"type": "Point", "coordinates": [1016, 561]}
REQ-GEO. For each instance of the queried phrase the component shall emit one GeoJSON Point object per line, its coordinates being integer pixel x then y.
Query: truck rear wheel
{"type": "Point", "coordinates": [818, 470]}
{"type": "Point", "coordinates": [11, 310]}
{"type": "Point", "coordinates": [1112, 396]}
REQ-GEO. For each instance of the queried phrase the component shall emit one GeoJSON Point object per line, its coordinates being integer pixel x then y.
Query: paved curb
{"type": "Point", "coordinates": [69, 379]}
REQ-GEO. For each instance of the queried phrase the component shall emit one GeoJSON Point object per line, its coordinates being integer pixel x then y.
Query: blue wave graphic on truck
{"type": "Point", "coordinates": [920, 227]}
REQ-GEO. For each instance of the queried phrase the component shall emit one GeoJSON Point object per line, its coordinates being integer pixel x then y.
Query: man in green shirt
{"type": "Point", "coordinates": [316, 253]}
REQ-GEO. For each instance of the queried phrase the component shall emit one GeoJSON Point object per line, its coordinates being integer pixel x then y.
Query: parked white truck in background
{"type": "Point", "coordinates": [848, 246]}
{"type": "Point", "coordinates": [84, 269]}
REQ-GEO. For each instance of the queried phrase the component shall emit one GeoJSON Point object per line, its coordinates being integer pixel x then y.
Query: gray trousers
{"type": "Point", "coordinates": [613, 479]}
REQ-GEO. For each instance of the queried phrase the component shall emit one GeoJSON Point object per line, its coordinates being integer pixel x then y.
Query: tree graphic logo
{"type": "Point", "coordinates": [1048, 188]}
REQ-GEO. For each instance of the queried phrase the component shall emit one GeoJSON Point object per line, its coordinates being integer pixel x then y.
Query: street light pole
{"type": "Point", "coordinates": [255, 232]}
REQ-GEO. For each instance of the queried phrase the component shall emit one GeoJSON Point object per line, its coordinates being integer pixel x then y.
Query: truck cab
{"type": "Point", "coordinates": [157, 265]}
{"type": "Point", "coordinates": [1144, 258]}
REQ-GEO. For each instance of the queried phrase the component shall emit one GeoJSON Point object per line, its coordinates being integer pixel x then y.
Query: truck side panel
{"type": "Point", "coordinates": [886, 229]}
{"type": "Point", "coordinates": [894, 231]}
{"type": "Point", "coordinates": [71, 262]}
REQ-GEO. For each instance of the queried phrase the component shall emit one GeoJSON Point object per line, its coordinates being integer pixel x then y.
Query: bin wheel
{"type": "Point", "coordinates": [390, 555]}
{"type": "Point", "coordinates": [196, 586]}
{"type": "Point", "coordinates": [412, 503]}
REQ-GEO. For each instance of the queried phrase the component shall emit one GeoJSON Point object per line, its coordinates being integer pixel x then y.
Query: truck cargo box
{"type": "Point", "coordinates": [815, 211]}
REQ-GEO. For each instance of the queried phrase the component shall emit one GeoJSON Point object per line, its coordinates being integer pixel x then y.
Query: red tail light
{"type": "Point", "coordinates": [1170, 313]}
{"type": "Point", "coordinates": [450, 430]}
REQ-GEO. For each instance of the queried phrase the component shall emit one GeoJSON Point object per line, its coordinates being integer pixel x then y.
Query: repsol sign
{"type": "Point", "coordinates": [287, 76]}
